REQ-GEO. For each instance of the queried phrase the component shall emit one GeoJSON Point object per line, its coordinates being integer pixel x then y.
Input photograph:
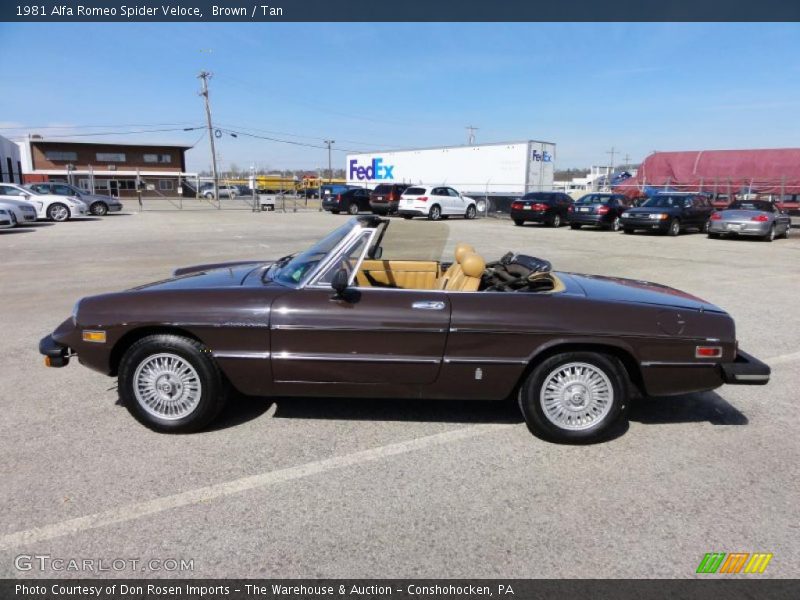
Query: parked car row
{"type": "Point", "coordinates": [53, 201]}
{"type": "Point", "coordinates": [407, 201]}
{"type": "Point", "coordinates": [669, 213]}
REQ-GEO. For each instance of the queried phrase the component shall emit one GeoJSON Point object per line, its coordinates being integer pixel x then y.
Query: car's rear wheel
{"type": "Point", "coordinates": [58, 212]}
{"type": "Point", "coordinates": [674, 227]}
{"type": "Point", "coordinates": [334, 212]}
{"type": "Point", "coordinates": [574, 225]}
{"type": "Point", "coordinates": [99, 209]}
{"type": "Point", "coordinates": [615, 224]}
{"type": "Point", "coordinates": [518, 222]}
{"type": "Point", "coordinates": [408, 217]}
{"type": "Point", "coordinates": [713, 236]}
{"type": "Point", "coordinates": [575, 397]}
{"type": "Point", "coordinates": [555, 221]}
{"type": "Point", "coordinates": [170, 383]}
{"type": "Point", "coordinates": [435, 213]}
{"type": "Point", "coordinates": [352, 208]}
{"type": "Point", "coordinates": [471, 213]}
{"type": "Point", "coordinates": [628, 230]}
{"type": "Point", "coordinates": [706, 226]}
{"type": "Point", "coordinates": [770, 234]}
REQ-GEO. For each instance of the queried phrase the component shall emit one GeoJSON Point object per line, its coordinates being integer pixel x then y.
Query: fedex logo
{"type": "Point", "coordinates": [375, 170]}
{"type": "Point", "coordinates": [544, 156]}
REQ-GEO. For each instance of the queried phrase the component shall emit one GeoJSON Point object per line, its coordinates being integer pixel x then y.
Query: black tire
{"type": "Point", "coordinates": [770, 235]}
{"type": "Point", "coordinates": [212, 386]}
{"type": "Point", "coordinates": [615, 225]}
{"type": "Point", "coordinates": [628, 230]}
{"type": "Point", "coordinates": [543, 427]}
{"type": "Point", "coordinates": [352, 208]}
{"type": "Point", "coordinates": [471, 213]}
{"type": "Point", "coordinates": [574, 225]}
{"type": "Point", "coordinates": [99, 209]}
{"type": "Point", "coordinates": [435, 213]}
{"type": "Point", "coordinates": [713, 236]}
{"type": "Point", "coordinates": [706, 226]}
{"type": "Point", "coordinates": [445, 217]}
{"type": "Point", "coordinates": [555, 221]}
{"type": "Point", "coordinates": [335, 212]}
{"type": "Point", "coordinates": [55, 212]}
{"type": "Point", "coordinates": [518, 223]}
{"type": "Point", "coordinates": [408, 217]}
{"type": "Point", "coordinates": [674, 228]}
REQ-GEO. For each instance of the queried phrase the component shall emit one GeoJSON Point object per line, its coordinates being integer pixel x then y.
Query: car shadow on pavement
{"type": "Point", "coordinates": [707, 407]}
{"type": "Point", "coordinates": [38, 224]}
{"type": "Point", "coordinates": [15, 230]}
{"type": "Point", "coordinates": [242, 408]}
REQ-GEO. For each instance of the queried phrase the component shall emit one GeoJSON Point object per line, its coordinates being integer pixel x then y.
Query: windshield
{"type": "Point", "coordinates": [293, 272]}
{"type": "Point", "coordinates": [751, 205]}
{"type": "Point", "coordinates": [593, 199]}
{"type": "Point", "coordinates": [666, 202]}
{"type": "Point", "coordinates": [32, 192]}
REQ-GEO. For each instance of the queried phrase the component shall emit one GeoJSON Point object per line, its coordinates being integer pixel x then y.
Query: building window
{"type": "Point", "coordinates": [126, 184]}
{"type": "Point", "coordinates": [110, 157]}
{"type": "Point", "coordinates": [60, 155]}
{"type": "Point", "coordinates": [166, 185]}
{"type": "Point", "coordinates": [158, 158]}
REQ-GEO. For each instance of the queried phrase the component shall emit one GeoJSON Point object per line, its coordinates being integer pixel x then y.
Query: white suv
{"type": "Point", "coordinates": [435, 202]}
{"type": "Point", "coordinates": [48, 206]}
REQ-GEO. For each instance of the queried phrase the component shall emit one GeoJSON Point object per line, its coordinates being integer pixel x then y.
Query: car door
{"type": "Point", "coordinates": [442, 198]}
{"type": "Point", "coordinates": [362, 199]}
{"type": "Point", "coordinates": [458, 205]}
{"type": "Point", "coordinates": [366, 336]}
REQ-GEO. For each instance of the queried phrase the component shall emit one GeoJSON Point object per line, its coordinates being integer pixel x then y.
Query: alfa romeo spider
{"type": "Point", "coordinates": [342, 320]}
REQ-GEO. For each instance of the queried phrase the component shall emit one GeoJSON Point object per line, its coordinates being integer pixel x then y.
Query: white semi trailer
{"type": "Point", "coordinates": [501, 169]}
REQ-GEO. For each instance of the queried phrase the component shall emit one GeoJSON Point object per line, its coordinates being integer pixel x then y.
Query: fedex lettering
{"type": "Point", "coordinates": [376, 170]}
{"type": "Point", "coordinates": [544, 156]}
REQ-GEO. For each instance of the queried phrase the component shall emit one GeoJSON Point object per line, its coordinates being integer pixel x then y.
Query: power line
{"type": "Point", "coordinates": [308, 137]}
{"type": "Point", "coordinates": [293, 142]}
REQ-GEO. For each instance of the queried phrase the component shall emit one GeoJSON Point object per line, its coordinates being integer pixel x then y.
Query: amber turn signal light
{"type": "Point", "coordinates": [94, 336]}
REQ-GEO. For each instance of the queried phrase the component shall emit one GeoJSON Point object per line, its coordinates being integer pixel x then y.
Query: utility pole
{"type": "Point", "coordinates": [627, 161]}
{"type": "Point", "coordinates": [330, 172]}
{"type": "Point", "coordinates": [204, 77]}
{"type": "Point", "coordinates": [471, 134]}
{"type": "Point", "coordinates": [612, 152]}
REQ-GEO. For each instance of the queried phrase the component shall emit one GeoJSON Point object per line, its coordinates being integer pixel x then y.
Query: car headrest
{"type": "Point", "coordinates": [462, 250]}
{"type": "Point", "coordinates": [473, 265]}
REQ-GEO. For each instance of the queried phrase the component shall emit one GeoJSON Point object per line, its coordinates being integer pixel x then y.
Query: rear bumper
{"type": "Point", "coordinates": [745, 370]}
{"type": "Point", "coordinates": [739, 228]}
{"type": "Point", "coordinates": [530, 215]}
{"type": "Point", "coordinates": [56, 355]}
{"type": "Point", "coordinates": [411, 212]}
{"type": "Point", "coordinates": [383, 207]}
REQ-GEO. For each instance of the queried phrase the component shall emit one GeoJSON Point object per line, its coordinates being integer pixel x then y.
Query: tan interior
{"type": "Point", "coordinates": [408, 274]}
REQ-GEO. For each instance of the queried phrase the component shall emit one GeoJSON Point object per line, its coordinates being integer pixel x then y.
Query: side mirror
{"type": "Point", "coordinates": [339, 282]}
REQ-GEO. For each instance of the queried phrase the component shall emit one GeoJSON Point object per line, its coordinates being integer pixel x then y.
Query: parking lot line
{"type": "Point", "coordinates": [141, 509]}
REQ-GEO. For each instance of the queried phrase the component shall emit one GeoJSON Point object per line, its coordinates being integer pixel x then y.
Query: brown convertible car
{"type": "Point", "coordinates": [340, 319]}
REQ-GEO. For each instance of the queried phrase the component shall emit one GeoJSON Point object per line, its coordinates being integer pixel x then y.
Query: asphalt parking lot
{"type": "Point", "coordinates": [346, 488]}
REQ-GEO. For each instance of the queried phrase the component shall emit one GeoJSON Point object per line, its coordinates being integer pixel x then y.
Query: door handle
{"type": "Point", "coordinates": [428, 305]}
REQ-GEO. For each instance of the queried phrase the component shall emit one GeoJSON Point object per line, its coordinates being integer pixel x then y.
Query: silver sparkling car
{"type": "Point", "coordinates": [758, 218]}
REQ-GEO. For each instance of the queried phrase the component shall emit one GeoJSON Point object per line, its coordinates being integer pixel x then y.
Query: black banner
{"type": "Point", "coordinates": [400, 10]}
{"type": "Point", "coordinates": [399, 589]}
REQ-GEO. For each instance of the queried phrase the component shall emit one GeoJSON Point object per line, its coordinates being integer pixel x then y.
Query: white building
{"type": "Point", "coordinates": [10, 162]}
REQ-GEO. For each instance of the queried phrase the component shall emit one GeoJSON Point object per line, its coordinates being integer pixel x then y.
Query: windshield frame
{"type": "Point", "coordinates": [348, 232]}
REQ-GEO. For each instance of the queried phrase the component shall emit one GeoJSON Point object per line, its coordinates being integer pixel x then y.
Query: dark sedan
{"type": "Point", "coordinates": [669, 213]}
{"type": "Point", "coordinates": [550, 208]}
{"type": "Point", "coordinates": [351, 201]}
{"type": "Point", "coordinates": [341, 319]}
{"type": "Point", "coordinates": [598, 210]}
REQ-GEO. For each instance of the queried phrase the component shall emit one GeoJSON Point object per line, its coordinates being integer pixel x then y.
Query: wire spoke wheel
{"type": "Point", "coordinates": [576, 396]}
{"type": "Point", "coordinates": [167, 386]}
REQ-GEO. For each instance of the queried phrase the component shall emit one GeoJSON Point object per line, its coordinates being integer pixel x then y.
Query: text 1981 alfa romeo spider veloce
{"type": "Point", "coordinates": [340, 319]}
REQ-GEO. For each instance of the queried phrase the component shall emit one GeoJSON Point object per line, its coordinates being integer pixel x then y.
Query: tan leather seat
{"type": "Point", "coordinates": [472, 268]}
{"type": "Point", "coordinates": [454, 270]}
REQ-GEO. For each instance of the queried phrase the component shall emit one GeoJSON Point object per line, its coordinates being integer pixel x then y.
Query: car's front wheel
{"type": "Point", "coordinates": [674, 227]}
{"type": "Point", "coordinates": [575, 397]}
{"type": "Point", "coordinates": [99, 209]}
{"type": "Point", "coordinates": [471, 213]}
{"type": "Point", "coordinates": [58, 212]}
{"type": "Point", "coordinates": [171, 383]}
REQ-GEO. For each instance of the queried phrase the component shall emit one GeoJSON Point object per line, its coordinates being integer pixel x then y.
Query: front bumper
{"type": "Point", "coordinates": [650, 224]}
{"type": "Point", "coordinates": [55, 354]}
{"type": "Point", "coordinates": [588, 219]}
{"type": "Point", "coordinates": [745, 370]}
{"type": "Point", "coordinates": [114, 207]}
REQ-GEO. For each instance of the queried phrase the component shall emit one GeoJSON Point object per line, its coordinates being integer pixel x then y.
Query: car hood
{"type": "Point", "coordinates": [616, 289]}
{"type": "Point", "coordinates": [206, 276]}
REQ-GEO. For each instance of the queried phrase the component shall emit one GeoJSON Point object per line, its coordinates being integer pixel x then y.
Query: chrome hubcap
{"type": "Point", "coordinates": [167, 386]}
{"type": "Point", "coordinates": [59, 213]}
{"type": "Point", "coordinates": [576, 396]}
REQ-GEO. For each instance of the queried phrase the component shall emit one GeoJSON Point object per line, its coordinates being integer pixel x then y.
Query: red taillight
{"type": "Point", "coordinates": [516, 206]}
{"type": "Point", "coordinates": [602, 209]}
{"type": "Point", "coordinates": [760, 218]}
{"type": "Point", "coordinates": [338, 197]}
{"type": "Point", "coordinates": [708, 352]}
{"type": "Point", "coordinates": [390, 197]}
{"type": "Point", "coordinates": [422, 199]}
{"type": "Point", "coordinates": [716, 216]}
{"type": "Point", "coordinates": [571, 208]}
{"type": "Point", "coordinates": [539, 206]}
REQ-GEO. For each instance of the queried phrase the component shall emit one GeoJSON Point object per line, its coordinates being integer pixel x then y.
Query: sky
{"type": "Point", "coordinates": [635, 87]}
